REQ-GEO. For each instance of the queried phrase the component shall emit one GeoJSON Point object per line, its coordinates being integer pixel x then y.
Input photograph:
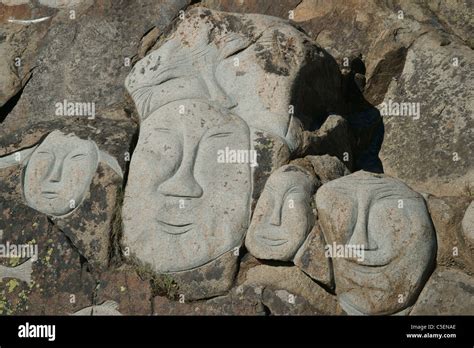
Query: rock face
{"type": "Point", "coordinates": [167, 158]}
{"type": "Point", "coordinates": [443, 130]}
{"type": "Point", "coordinates": [386, 237]}
{"type": "Point", "coordinates": [311, 258]}
{"type": "Point", "coordinates": [468, 224]}
{"type": "Point", "coordinates": [448, 292]}
{"type": "Point", "coordinates": [72, 181]}
{"type": "Point", "coordinates": [283, 216]}
{"type": "Point", "coordinates": [96, 43]}
{"type": "Point", "coordinates": [184, 206]}
{"type": "Point", "coordinates": [454, 248]}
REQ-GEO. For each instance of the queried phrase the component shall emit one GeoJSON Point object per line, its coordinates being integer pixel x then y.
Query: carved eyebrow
{"type": "Point", "coordinates": [294, 189]}
{"type": "Point", "coordinates": [163, 129]}
{"type": "Point", "coordinates": [220, 135]}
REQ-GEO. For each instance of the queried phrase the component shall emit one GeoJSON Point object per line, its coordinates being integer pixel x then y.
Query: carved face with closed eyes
{"type": "Point", "coordinates": [391, 224]}
{"type": "Point", "coordinates": [283, 216]}
{"type": "Point", "coordinates": [183, 208]}
{"type": "Point", "coordinates": [59, 173]}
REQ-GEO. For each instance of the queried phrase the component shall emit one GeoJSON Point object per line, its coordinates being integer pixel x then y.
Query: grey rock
{"type": "Point", "coordinates": [272, 152]}
{"type": "Point", "coordinates": [454, 249]}
{"type": "Point", "coordinates": [212, 279]}
{"type": "Point", "coordinates": [105, 309]}
{"type": "Point", "coordinates": [242, 300]}
{"type": "Point", "coordinates": [328, 167]}
{"type": "Point", "coordinates": [174, 90]}
{"type": "Point", "coordinates": [90, 49]}
{"type": "Point", "coordinates": [312, 260]}
{"type": "Point", "coordinates": [440, 126]}
{"type": "Point", "coordinates": [333, 138]}
{"type": "Point", "coordinates": [283, 216]}
{"type": "Point", "coordinates": [447, 292]}
{"type": "Point", "coordinates": [293, 283]}
{"type": "Point", "coordinates": [381, 240]}
{"type": "Point", "coordinates": [183, 208]}
{"type": "Point", "coordinates": [468, 224]}
{"type": "Point", "coordinates": [73, 181]}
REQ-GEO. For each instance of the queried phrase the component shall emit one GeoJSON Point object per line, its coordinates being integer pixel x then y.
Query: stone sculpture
{"type": "Point", "coordinates": [58, 172]}
{"type": "Point", "coordinates": [390, 224]}
{"type": "Point", "coordinates": [215, 83]}
{"type": "Point", "coordinates": [283, 216]}
{"type": "Point", "coordinates": [21, 272]}
{"type": "Point", "coordinates": [106, 308]}
{"type": "Point", "coordinates": [182, 208]}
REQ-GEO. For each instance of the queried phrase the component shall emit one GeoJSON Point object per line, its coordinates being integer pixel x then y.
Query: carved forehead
{"type": "Point", "coordinates": [290, 176]}
{"type": "Point", "coordinates": [57, 140]}
{"type": "Point", "coordinates": [367, 184]}
{"type": "Point", "coordinates": [198, 115]}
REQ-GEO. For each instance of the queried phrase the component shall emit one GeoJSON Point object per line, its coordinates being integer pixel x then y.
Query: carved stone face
{"type": "Point", "coordinates": [182, 207]}
{"type": "Point", "coordinates": [392, 224]}
{"type": "Point", "coordinates": [59, 173]}
{"type": "Point", "coordinates": [283, 216]}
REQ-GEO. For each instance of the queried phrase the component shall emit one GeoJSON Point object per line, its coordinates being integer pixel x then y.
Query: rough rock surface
{"type": "Point", "coordinates": [448, 292]}
{"type": "Point", "coordinates": [291, 284]}
{"type": "Point", "coordinates": [432, 150]}
{"type": "Point", "coordinates": [290, 83]}
{"type": "Point", "coordinates": [454, 249]}
{"type": "Point", "coordinates": [381, 234]}
{"type": "Point", "coordinates": [92, 46]}
{"type": "Point", "coordinates": [327, 167]}
{"type": "Point", "coordinates": [312, 260]}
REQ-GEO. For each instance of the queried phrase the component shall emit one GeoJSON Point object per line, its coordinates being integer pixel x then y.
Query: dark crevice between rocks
{"type": "Point", "coordinates": [116, 232]}
{"type": "Point", "coordinates": [116, 258]}
{"type": "Point", "coordinates": [266, 309]}
{"type": "Point", "coordinates": [10, 104]}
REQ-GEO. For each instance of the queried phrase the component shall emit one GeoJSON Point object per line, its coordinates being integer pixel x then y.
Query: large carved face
{"type": "Point", "coordinates": [283, 216]}
{"type": "Point", "coordinates": [183, 207]}
{"type": "Point", "coordinates": [59, 173]}
{"type": "Point", "coordinates": [392, 224]}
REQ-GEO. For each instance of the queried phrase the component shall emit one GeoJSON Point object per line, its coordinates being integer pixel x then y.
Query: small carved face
{"type": "Point", "coordinates": [183, 208]}
{"type": "Point", "coordinates": [389, 223]}
{"type": "Point", "coordinates": [283, 216]}
{"type": "Point", "coordinates": [59, 173]}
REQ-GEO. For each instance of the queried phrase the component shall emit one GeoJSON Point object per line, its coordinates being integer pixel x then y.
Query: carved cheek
{"type": "Point", "coordinates": [389, 226]}
{"type": "Point", "coordinates": [40, 167]}
{"type": "Point", "coordinates": [296, 216]}
{"type": "Point", "coordinates": [164, 158]}
{"type": "Point", "coordinates": [344, 219]}
{"type": "Point", "coordinates": [264, 210]}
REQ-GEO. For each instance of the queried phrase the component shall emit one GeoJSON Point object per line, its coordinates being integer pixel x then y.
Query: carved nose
{"type": "Point", "coordinates": [181, 184]}
{"type": "Point", "coordinates": [360, 235]}
{"type": "Point", "coordinates": [275, 218]}
{"type": "Point", "coordinates": [56, 172]}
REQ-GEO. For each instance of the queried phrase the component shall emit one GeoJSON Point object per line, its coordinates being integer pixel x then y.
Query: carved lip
{"type": "Point", "coordinates": [175, 229]}
{"type": "Point", "coordinates": [273, 241]}
{"type": "Point", "coordinates": [50, 194]}
{"type": "Point", "coordinates": [369, 268]}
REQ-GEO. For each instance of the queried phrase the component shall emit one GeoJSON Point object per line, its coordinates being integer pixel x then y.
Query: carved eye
{"type": "Point", "coordinates": [44, 154]}
{"type": "Point", "coordinates": [78, 157]}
